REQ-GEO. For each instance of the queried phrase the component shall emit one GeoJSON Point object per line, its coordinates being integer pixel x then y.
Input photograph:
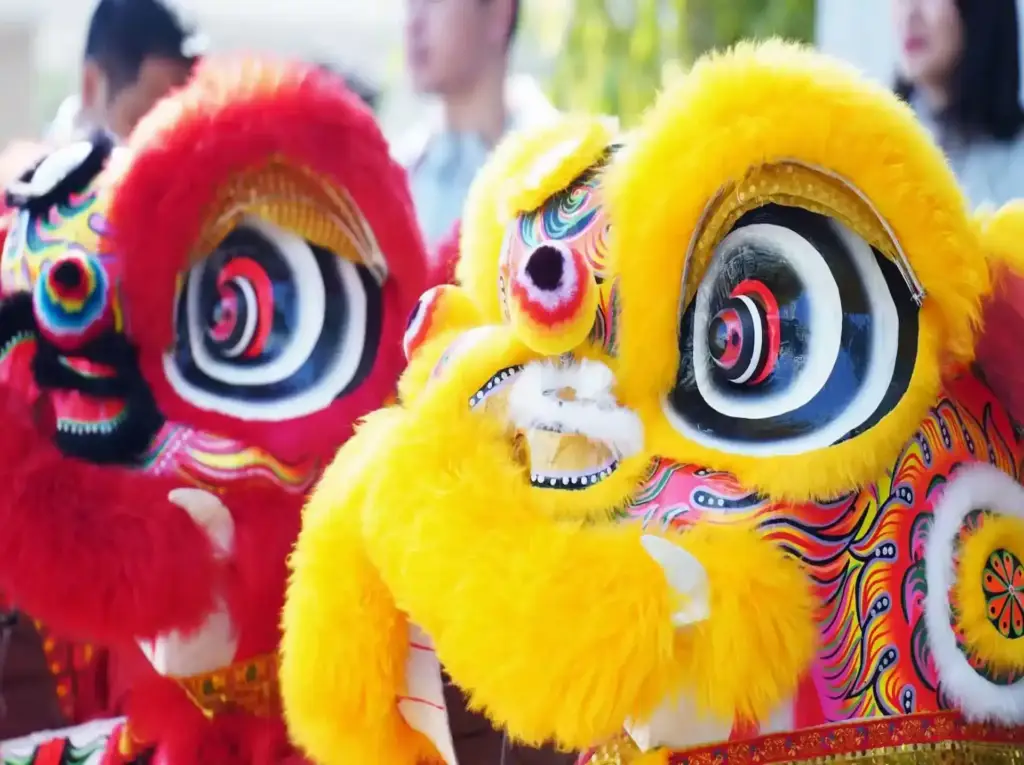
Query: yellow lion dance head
{"type": "Point", "coordinates": [694, 451]}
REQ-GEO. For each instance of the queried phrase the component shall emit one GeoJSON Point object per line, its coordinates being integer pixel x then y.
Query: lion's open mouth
{"type": "Point", "coordinates": [570, 430]}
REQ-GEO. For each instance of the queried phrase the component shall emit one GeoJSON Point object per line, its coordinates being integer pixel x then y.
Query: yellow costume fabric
{"type": "Point", "coordinates": [690, 450]}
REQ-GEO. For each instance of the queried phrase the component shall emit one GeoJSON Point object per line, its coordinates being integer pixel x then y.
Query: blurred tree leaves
{"type": "Point", "coordinates": [613, 54]}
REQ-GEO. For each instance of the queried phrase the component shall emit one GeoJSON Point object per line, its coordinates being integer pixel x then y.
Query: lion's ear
{"type": "Point", "coordinates": [440, 310]}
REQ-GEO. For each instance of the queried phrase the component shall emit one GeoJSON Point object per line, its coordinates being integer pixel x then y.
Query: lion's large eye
{"type": "Point", "coordinates": [272, 327]}
{"type": "Point", "coordinates": [800, 335]}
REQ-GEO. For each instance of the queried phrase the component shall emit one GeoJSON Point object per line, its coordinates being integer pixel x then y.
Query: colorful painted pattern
{"type": "Point", "coordinates": [1003, 584]}
{"type": "Point", "coordinates": [82, 745]}
{"type": "Point", "coordinates": [213, 463]}
{"type": "Point", "coordinates": [865, 552]}
{"type": "Point", "coordinates": [574, 217]}
{"type": "Point", "coordinates": [999, 584]}
{"type": "Point", "coordinates": [76, 226]}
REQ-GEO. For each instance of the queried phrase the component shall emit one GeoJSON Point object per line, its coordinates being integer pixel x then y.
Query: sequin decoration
{"type": "Point", "coordinates": [916, 740]}
{"type": "Point", "coordinates": [793, 185]}
{"type": "Point", "coordinates": [865, 552]}
{"type": "Point", "coordinates": [249, 686]}
{"type": "Point", "coordinates": [76, 671]}
{"type": "Point", "coordinates": [620, 751]}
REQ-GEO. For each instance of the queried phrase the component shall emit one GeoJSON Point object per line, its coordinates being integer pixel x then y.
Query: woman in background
{"type": "Point", "coordinates": [960, 71]}
{"type": "Point", "coordinates": [959, 68]}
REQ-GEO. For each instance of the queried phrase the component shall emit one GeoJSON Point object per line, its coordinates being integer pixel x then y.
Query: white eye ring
{"type": "Point", "coordinates": [248, 297]}
{"type": "Point", "coordinates": [825, 340]}
{"type": "Point", "coordinates": [826, 318]}
{"type": "Point", "coordinates": [311, 314]}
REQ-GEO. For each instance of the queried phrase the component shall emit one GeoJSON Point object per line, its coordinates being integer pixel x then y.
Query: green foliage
{"type": "Point", "coordinates": [614, 53]}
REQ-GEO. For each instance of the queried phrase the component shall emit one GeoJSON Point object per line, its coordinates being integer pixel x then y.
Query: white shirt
{"type": "Point", "coordinates": [442, 163]}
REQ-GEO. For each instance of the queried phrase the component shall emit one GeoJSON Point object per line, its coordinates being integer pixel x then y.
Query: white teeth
{"type": "Point", "coordinates": [17, 338]}
{"type": "Point", "coordinates": [533, 404]}
{"type": "Point", "coordinates": [587, 479]}
{"type": "Point", "coordinates": [499, 379]}
{"type": "Point", "coordinates": [89, 428]}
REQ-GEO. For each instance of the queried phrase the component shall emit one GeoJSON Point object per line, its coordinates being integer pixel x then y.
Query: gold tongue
{"type": "Point", "coordinates": [565, 454]}
{"type": "Point", "coordinates": [496, 404]}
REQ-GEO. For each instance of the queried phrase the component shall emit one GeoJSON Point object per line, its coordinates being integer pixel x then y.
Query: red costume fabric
{"type": "Point", "coordinates": [191, 327]}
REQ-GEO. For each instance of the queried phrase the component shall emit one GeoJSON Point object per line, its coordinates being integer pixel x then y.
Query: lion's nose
{"type": "Point", "coordinates": [71, 301]}
{"type": "Point", "coordinates": [552, 298]}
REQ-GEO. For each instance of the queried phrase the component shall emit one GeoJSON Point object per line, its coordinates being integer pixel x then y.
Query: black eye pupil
{"type": "Point", "coordinates": [720, 337]}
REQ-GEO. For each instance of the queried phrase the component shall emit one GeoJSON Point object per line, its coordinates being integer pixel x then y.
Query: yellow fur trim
{"type": "Point", "coordinates": [572, 145]}
{"type": "Point", "coordinates": [494, 198]}
{"type": "Point", "coordinates": [981, 576]}
{"type": "Point", "coordinates": [549, 604]}
{"type": "Point", "coordinates": [344, 645]}
{"type": "Point", "coordinates": [749, 656]}
{"type": "Point", "coordinates": [467, 360]}
{"type": "Point", "coordinates": [795, 105]}
{"type": "Point", "coordinates": [1002, 233]}
{"type": "Point", "coordinates": [451, 312]}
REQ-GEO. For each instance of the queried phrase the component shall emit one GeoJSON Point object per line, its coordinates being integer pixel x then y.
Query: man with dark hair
{"type": "Point", "coordinates": [136, 51]}
{"type": "Point", "coordinates": [458, 50]}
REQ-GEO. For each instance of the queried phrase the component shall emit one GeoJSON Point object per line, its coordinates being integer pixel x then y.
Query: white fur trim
{"type": "Point", "coordinates": [974, 487]}
{"type": "Point", "coordinates": [594, 414]}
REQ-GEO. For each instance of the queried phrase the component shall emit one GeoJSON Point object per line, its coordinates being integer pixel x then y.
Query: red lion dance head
{"type": "Point", "coordinates": [190, 327]}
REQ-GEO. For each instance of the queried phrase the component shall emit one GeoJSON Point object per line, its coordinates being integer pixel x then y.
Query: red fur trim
{"type": "Point", "coordinates": [233, 116]}
{"type": "Point", "coordinates": [160, 711]}
{"type": "Point", "coordinates": [266, 526]}
{"type": "Point", "coordinates": [446, 257]}
{"type": "Point", "coordinates": [999, 346]}
{"type": "Point", "coordinates": [95, 551]}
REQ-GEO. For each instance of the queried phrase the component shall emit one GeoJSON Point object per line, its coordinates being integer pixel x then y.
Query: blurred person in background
{"type": "Point", "coordinates": [959, 68]}
{"type": "Point", "coordinates": [458, 50]}
{"type": "Point", "coordinates": [367, 93]}
{"type": "Point", "coordinates": [136, 51]}
{"type": "Point", "coordinates": [960, 71]}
